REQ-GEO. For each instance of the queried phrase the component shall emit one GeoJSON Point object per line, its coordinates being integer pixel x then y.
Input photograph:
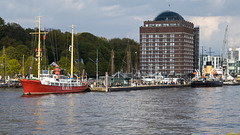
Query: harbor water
{"type": "Point", "coordinates": [163, 111]}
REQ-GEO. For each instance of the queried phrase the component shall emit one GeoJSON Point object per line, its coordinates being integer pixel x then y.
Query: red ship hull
{"type": "Point", "coordinates": [35, 87]}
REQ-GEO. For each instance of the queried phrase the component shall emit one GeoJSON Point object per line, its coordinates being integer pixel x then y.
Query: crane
{"type": "Point", "coordinates": [224, 62]}
{"type": "Point", "coordinates": [225, 44]}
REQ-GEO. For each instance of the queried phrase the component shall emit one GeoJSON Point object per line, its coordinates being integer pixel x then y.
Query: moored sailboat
{"type": "Point", "coordinates": [48, 82]}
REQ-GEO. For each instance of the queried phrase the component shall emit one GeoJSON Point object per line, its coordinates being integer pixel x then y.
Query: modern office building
{"type": "Point", "coordinates": [234, 53]}
{"type": "Point", "coordinates": [169, 45]}
{"type": "Point", "coordinates": [233, 60]}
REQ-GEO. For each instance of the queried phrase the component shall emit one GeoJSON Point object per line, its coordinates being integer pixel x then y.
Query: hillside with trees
{"type": "Point", "coordinates": [19, 43]}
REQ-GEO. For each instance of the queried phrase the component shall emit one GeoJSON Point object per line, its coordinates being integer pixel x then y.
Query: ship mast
{"type": "Point", "coordinates": [4, 68]}
{"type": "Point", "coordinates": [128, 58]}
{"type": "Point", "coordinates": [39, 46]}
{"type": "Point", "coordinates": [112, 62]}
{"type": "Point", "coordinates": [72, 55]}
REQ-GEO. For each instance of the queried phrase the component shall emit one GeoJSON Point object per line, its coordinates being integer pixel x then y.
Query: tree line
{"type": "Point", "coordinates": [19, 44]}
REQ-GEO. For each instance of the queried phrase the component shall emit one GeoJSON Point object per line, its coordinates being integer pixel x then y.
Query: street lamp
{"type": "Point", "coordinates": [96, 66]}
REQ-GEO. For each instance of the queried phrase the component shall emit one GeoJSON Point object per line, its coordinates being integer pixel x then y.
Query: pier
{"type": "Point", "coordinates": [139, 87]}
{"type": "Point", "coordinates": [145, 87]}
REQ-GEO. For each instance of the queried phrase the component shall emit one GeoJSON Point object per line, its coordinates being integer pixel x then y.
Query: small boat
{"type": "Point", "coordinates": [205, 83]}
{"type": "Point", "coordinates": [47, 82]}
{"type": "Point", "coordinates": [210, 77]}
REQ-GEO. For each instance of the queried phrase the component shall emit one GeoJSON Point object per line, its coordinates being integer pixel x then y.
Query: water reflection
{"type": "Point", "coordinates": [164, 111]}
{"type": "Point", "coordinates": [170, 111]}
{"type": "Point", "coordinates": [38, 119]}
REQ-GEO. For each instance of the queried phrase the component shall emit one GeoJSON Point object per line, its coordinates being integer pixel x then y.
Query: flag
{"type": "Point", "coordinates": [44, 37]}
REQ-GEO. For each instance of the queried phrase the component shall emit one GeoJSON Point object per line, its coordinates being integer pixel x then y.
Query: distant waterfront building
{"type": "Point", "coordinates": [196, 47]}
{"type": "Point", "coordinates": [216, 61]}
{"type": "Point", "coordinates": [234, 53]}
{"type": "Point", "coordinates": [233, 60]}
{"type": "Point", "coordinates": [169, 45]}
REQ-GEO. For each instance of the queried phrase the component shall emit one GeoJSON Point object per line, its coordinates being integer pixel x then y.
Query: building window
{"type": "Point", "coordinates": [151, 25]}
{"type": "Point", "coordinates": [172, 44]}
{"type": "Point", "coordinates": [173, 24]}
{"type": "Point", "coordinates": [165, 24]}
{"type": "Point", "coordinates": [143, 36]}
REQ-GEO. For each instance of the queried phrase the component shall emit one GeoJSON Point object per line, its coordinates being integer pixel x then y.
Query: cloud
{"type": "Point", "coordinates": [112, 11]}
{"type": "Point", "coordinates": [234, 32]}
{"type": "Point", "coordinates": [217, 3]}
{"type": "Point", "coordinates": [212, 30]}
{"type": "Point", "coordinates": [73, 4]}
{"type": "Point", "coordinates": [138, 18]}
{"type": "Point", "coordinates": [109, 8]}
{"type": "Point", "coordinates": [209, 25]}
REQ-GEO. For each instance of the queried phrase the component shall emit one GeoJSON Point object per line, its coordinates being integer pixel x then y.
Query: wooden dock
{"type": "Point", "coordinates": [145, 87]}
{"type": "Point", "coordinates": [139, 87]}
{"type": "Point", "coordinates": [98, 89]}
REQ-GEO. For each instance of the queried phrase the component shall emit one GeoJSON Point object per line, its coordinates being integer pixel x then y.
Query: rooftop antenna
{"type": "Point", "coordinates": [169, 5]}
{"type": "Point", "coordinates": [210, 53]}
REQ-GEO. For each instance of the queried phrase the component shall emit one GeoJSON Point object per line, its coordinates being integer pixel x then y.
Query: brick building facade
{"type": "Point", "coordinates": [167, 45]}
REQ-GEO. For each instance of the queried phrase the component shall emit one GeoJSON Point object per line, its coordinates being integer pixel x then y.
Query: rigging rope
{"type": "Point", "coordinates": [52, 42]}
{"type": "Point", "coordinates": [56, 46]}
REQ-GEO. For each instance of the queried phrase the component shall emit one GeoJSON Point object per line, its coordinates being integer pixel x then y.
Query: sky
{"type": "Point", "coordinates": [122, 18]}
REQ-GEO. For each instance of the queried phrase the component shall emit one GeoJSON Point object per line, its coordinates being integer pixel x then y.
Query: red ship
{"type": "Point", "coordinates": [50, 83]}
{"type": "Point", "coordinates": [47, 82]}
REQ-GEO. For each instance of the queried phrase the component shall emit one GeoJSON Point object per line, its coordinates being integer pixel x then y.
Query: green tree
{"type": "Point", "coordinates": [12, 67]}
{"type": "Point", "coordinates": [1, 64]}
{"type": "Point", "coordinates": [31, 64]}
{"type": "Point", "coordinates": [11, 52]}
{"type": "Point", "coordinates": [2, 28]}
{"type": "Point", "coordinates": [91, 69]}
{"type": "Point", "coordinates": [22, 50]}
{"type": "Point", "coordinates": [8, 42]}
{"type": "Point", "coordinates": [15, 31]}
{"type": "Point", "coordinates": [65, 63]}
{"type": "Point", "coordinates": [2, 22]}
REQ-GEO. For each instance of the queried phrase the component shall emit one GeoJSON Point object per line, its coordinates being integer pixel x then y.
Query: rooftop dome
{"type": "Point", "coordinates": [168, 16]}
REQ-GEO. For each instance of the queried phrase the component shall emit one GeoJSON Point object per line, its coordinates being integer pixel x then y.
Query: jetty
{"type": "Point", "coordinates": [146, 87]}
{"type": "Point", "coordinates": [138, 87]}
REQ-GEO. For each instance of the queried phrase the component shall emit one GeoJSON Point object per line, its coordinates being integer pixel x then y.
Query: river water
{"type": "Point", "coordinates": [163, 111]}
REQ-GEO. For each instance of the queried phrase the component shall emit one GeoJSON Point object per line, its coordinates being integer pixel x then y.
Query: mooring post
{"type": "Point", "coordinates": [106, 81]}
